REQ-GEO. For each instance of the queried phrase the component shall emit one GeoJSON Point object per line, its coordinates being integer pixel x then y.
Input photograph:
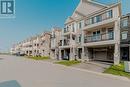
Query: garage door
{"type": "Point", "coordinates": [100, 55]}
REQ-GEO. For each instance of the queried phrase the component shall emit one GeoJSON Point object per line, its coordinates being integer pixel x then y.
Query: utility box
{"type": "Point", "coordinates": [127, 66]}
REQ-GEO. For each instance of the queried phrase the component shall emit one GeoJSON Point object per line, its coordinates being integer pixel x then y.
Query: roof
{"type": "Point", "coordinates": [86, 7]}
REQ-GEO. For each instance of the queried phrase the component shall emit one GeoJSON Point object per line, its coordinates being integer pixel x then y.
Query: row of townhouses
{"type": "Point", "coordinates": [94, 32]}
{"type": "Point", "coordinates": [45, 44]}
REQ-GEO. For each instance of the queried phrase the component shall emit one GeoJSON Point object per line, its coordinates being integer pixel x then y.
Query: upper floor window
{"type": "Point", "coordinates": [80, 38]}
{"type": "Point", "coordinates": [124, 23]}
{"type": "Point", "coordinates": [124, 35]}
{"type": "Point", "coordinates": [80, 25]}
{"type": "Point", "coordinates": [67, 28]}
{"type": "Point", "coordinates": [93, 20]}
{"type": "Point", "coordinates": [88, 22]}
{"type": "Point", "coordinates": [73, 28]}
{"type": "Point", "coordinates": [98, 18]}
{"type": "Point", "coordinates": [109, 14]}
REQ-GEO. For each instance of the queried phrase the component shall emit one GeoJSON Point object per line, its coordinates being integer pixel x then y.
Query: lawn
{"type": "Point", "coordinates": [39, 58]}
{"type": "Point", "coordinates": [117, 70]}
{"type": "Point", "coordinates": [68, 63]}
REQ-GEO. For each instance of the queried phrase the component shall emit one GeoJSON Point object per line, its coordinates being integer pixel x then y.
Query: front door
{"type": "Point", "coordinates": [79, 53]}
{"type": "Point", "coordinates": [125, 53]}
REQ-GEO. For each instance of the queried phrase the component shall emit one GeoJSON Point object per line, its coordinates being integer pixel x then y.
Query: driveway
{"type": "Point", "coordinates": [95, 66]}
{"type": "Point", "coordinates": [18, 71]}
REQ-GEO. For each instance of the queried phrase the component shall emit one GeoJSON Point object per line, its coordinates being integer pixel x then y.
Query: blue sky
{"type": "Point", "coordinates": [36, 16]}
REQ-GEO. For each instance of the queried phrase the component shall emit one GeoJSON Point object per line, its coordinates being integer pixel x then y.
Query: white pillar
{"type": "Point", "coordinates": [117, 44]}
{"type": "Point", "coordinates": [117, 54]}
{"type": "Point", "coordinates": [72, 54]}
{"type": "Point", "coordinates": [60, 58]}
{"type": "Point", "coordinates": [85, 54]}
{"type": "Point", "coordinates": [82, 37]}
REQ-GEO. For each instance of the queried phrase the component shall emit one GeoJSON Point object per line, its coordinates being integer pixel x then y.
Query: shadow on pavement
{"type": "Point", "coordinates": [1, 58]}
{"type": "Point", "coordinates": [12, 83]}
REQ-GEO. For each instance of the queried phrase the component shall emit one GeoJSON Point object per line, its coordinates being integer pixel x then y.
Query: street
{"type": "Point", "coordinates": [31, 73]}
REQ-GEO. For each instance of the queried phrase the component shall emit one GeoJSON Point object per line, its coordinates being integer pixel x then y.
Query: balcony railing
{"type": "Point", "coordinates": [100, 37]}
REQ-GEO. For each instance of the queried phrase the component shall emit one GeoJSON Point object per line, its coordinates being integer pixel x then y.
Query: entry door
{"type": "Point", "coordinates": [79, 53]}
{"type": "Point", "coordinates": [125, 53]}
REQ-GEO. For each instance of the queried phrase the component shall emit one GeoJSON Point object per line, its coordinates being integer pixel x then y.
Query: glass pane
{"type": "Point", "coordinates": [124, 35]}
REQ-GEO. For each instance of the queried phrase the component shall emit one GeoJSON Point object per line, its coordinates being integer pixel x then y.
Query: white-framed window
{"type": "Point", "coordinates": [98, 18]}
{"type": "Point", "coordinates": [80, 25]}
{"type": "Point", "coordinates": [79, 38]}
{"type": "Point", "coordinates": [94, 20]}
{"type": "Point", "coordinates": [109, 14]}
{"type": "Point", "coordinates": [73, 27]}
{"type": "Point", "coordinates": [124, 35]}
{"type": "Point", "coordinates": [125, 23]}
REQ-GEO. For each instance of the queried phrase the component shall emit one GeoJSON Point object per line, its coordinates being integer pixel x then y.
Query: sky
{"type": "Point", "coordinates": [36, 16]}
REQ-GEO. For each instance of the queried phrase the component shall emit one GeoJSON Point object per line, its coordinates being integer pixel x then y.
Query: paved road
{"type": "Point", "coordinates": [30, 73]}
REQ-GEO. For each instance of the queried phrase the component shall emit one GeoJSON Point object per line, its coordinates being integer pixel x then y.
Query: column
{"type": "Point", "coordinates": [82, 37]}
{"type": "Point", "coordinates": [60, 58]}
{"type": "Point", "coordinates": [117, 43]}
{"type": "Point", "coordinates": [85, 54]}
{"type": "Point", "coordinates": [72, 54]}
{"type": "Point", "coordinates": [117, 54]}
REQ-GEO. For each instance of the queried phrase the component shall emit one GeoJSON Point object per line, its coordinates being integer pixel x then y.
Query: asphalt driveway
{"type": "Point", "coordinates": [29, 73]}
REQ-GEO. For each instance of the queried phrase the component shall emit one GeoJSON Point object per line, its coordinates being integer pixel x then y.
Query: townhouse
{"type": "Point", "coordinates": [55, 42]}
{"type": "Point", "coordinates": [44, 44]}
{"type": "Point", "coordinates": [36, 45]}
{"type": "Point", "coordinates": [92, 33]}
{"type": "Point", "coordinates": [27, 47]}
{"type": "Point", "coordinates": [125, 37]}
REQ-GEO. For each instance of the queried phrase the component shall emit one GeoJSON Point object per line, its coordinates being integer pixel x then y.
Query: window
{"type": "Point", "coordinates": [125, 23]}
{"type": "Point", "coordinates": [110, 34]}
{"type": "Point", "coordinates": [80, 25]}
{"type": "Point", "coordinates": [94, 20]}
{"type": "Point", "coordinates": [98, 18]}
{"type": "Point", "coordinates": [124, 35]}
{"type": "Point", "coordinates": [96, 36]}
{"type": "Point", "coordinates": [80, 38]}
{"type": "Point", "coordinates": [109, 14]}
{"type": "Point", "coordinates": [64, 29]}
{"type": "Point", "coordinates": [67, 28]}
{"type": "Point", "coordinates": [73, 27]}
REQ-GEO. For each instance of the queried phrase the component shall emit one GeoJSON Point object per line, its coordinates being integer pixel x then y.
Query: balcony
{"type": "Point", "coordinates": [66, 42]}
{"type": "Point", "coordinates": [99, 18]}
{"type": "Point", "coordinates": [66, 30]}
{"type": "Point", "coordinates": [100, 37]}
